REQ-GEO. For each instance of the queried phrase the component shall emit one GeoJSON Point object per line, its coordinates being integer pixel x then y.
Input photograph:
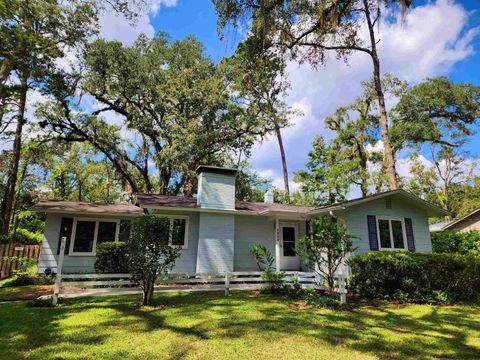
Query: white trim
{"type": "Point", "coordinates": [404, 235]}
{"type": "Point", "coordinates": [95, 234]}
{"type": "Point", "coordinates": [173, 217]}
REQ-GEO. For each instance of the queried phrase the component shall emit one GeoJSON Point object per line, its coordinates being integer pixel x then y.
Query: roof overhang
{"type": "Point", "coordinates": [431, 209]}
{"type": "Point", "coordinates": [463, 218]}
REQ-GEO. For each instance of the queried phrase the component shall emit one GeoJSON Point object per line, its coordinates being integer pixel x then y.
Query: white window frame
{"type": "Point", "coordinates": [172, 218]}
{"type": "Point", "coordinates": [95, 234]}
{"type": "Point", "coordinates": [404, 234]}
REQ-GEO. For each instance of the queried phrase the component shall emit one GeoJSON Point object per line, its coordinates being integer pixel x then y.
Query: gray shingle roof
{"type": "Point", "coordinates": [58, 206]}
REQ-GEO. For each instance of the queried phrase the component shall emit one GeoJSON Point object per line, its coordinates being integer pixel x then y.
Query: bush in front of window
{"type": "Point", "coordinates": [150, 253]}
{"type": "Point", "coordinates": [112, 258]}
{"type": "Point", "coordinates": [416, 277]}
{"type": "Point", "coordinates": [454, 241]}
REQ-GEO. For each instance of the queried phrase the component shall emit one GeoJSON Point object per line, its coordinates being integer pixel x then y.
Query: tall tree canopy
{"type": "Point", "coordinates": [307, 30]}
{"type": "Point", "coordinates": [173, 98]}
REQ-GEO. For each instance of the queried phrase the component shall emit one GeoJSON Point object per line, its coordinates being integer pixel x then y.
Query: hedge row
{"type": "Point", "coordinates": [467, 243]}
{"type": "Point", "coordinates": [416, 277]}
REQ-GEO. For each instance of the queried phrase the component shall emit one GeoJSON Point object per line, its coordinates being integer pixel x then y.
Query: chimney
{"type": "Point", "coordinates": [268, 197]}
{"type": "Point", "coordinates": [216, 187]}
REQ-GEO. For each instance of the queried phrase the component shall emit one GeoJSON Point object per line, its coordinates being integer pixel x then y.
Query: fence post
{"type": "Point", "coordinates": [343, 292]}
{"type": "Point", "coordinates": [227, 284]}
{"type": "Point", "coordinates": [58, 280]}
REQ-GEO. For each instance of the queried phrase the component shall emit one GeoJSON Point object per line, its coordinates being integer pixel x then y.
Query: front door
{"type": "Point", "coordinates": [288, 239]}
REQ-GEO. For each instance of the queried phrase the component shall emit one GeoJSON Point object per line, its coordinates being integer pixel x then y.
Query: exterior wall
{"type": "Point", "coordinates": [356, 222]}
{"type": "Point", "coordinates": [215, 242]}
{"type": "Point", "coordinates": [216, 191]}
{"type": "Point", "coordinates": [250, 230]}
{"type": "Point", "coordinates": [468, 224]}
{"type": "Point", "coordinates": [48, 253]}
{"type": "Point", "coordinates": [85, 264]}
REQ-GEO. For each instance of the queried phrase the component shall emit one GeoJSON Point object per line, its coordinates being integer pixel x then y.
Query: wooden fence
{"type": "Point", "coordinates": [107, 284]}
{"type": "Point", "coordinates": [112, 284]}
{"type": "Point", "coordinates": [6, 267]}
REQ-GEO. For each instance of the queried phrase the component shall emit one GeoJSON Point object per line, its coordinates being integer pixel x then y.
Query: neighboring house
{"type": "Point", "coordinates": [466, 223]}
{"type": "Point", "coordinates": [216, 232]}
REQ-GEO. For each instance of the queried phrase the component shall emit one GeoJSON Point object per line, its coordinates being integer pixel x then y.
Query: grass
{"type": "Point", "coordinates": [23, 292]}
{"type": "Point", "coordinates": [242, 326]}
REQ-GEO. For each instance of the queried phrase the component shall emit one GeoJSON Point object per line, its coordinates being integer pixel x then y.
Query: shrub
{"type": "Point", "coordinates": [454, 241]}
{"type": "Point", "coordinates": [415, 277]}
{"type": "Point", "coordinates": [112, 258]}
{"type": "Point", "coordinates": [149, 252]}
{"type": "Point", "coordinates": [24, 237]}
{"type": "Point", "coordinates": [325, 248]}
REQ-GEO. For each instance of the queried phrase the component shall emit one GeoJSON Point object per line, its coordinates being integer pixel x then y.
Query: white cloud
{"type": "Point", "coordinates": [433, 38]}
{"type": "Point", "coordinates": [117, 27]}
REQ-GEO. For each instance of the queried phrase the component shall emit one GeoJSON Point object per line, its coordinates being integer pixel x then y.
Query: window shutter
{"type": "Point", "coordinates": [372, 232]}
{"type": "Point", "coordinates": [65, 230]}
{"type": "Point", "coordinates": [307, 228]}
{"type": "Point", "coordinates": [409, 234]}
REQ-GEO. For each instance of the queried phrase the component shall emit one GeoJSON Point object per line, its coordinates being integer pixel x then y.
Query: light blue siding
{"type": "Point", "coordinates": [85, 264]}
{"type": "Point", "coordinates": [215, 242]}
{"type": "Point", "coordinates": [216, 191]}
{"type": "Point", "coordinates": [356, 222]}
{"type": "Point", "coordinates": [250, 230]}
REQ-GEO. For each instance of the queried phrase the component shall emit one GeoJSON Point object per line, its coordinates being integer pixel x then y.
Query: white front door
{"type": "Point", "coordinates": [288, 240]}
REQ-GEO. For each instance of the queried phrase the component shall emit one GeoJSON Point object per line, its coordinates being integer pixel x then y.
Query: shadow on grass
{"type": "Point", "coordinates": [386, 331]}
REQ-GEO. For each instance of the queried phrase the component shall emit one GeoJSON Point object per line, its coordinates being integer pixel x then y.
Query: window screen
{"type": "Point", "coordinates": [178, 232]}
{"type": "Point", "coordinates": [106, 231]}
{"type": "Point", "coordinates": [384, 232]}
{"type": "Point", "coordinates": [84, 236]}
{"type": "Point", "coordinates": [288, 234]}
{"type": "Point", "coordinates": [397, 232]}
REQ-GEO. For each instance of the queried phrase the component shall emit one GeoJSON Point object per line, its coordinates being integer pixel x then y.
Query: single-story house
{"type": "Point", "coordinates": [466, 223]}
{"type": "Point", "coordinates": [216, 231]}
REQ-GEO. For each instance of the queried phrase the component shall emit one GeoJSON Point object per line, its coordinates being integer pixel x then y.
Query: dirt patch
{"type": "Point", "coordinates": [33, 293]}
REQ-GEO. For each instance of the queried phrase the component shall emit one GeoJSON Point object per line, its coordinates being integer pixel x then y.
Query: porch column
{"type": "Point", "coordinates": [278, 245]}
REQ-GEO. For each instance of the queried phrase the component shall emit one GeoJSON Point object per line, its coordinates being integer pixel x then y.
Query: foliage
{"type": "Point", "coordinates": [466, 243]}
{"type": "Point", "coordinates": [326, 180]}
{"type": "Point", "coordinates": [263, 257]}
{"type": "Point", "coordinates": [30, 221]}
{"type": "Point", "coordinates": [416, 277]}
{"type": "Point", "coordinates": [436, 111]}
{"type": "Point", "coordinates": [149, 252]}
{"type": "Point", "coordinates": [111, 257]}
{"type": "Point", "coordinates": [256, 326]}
{"type": "Point", "coordinates": [24, 237]}
{"type": "Point", "coordinates": [26, 273]}
{"type": "Point", "coordinates": [275, 281]}
{"type": "Point", "coordinates": [325, 248]}
{"type": "Point", "coordinates": [249, 185]}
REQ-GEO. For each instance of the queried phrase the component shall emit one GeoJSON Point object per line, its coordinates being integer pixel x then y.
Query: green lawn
{"type": "Point", "coordinates": [244, 325]}
{"type": "Point", "coordinates": [23, 292]}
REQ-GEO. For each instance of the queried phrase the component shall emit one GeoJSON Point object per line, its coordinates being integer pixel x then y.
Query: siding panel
{"type": "Point", "coordinates": [356, 221]}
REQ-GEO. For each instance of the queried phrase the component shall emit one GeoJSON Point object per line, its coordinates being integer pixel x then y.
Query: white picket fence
{"type": "Point", "coordinates": [238, 280]}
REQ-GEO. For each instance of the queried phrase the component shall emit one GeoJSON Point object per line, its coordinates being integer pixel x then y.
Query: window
{"type": "Point", "coordinates": [391, 233]}
{"type": "Point", "coordinates": [178, 230]}
{"type": "Point", "coordinates": [87, 233]}
{"type": "Point", "coordinates": [288, 237]}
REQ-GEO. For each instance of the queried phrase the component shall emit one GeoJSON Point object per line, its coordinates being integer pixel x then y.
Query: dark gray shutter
{"type": "Point", "coordinates": [65, 230]}
{"type": "Point", "coordinates": [372, 232]}
{"type": "Point", "coordinates": [307, 228]}
{"type": "Point", "coordinates": [409, 234]}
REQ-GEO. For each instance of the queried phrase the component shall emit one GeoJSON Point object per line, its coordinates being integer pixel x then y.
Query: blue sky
{"type": "Point", "coordinates": [439, 38]}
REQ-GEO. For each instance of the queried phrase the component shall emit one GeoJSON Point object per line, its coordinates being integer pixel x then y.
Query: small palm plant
{"type": "Point", "coordinates": [263, 257]}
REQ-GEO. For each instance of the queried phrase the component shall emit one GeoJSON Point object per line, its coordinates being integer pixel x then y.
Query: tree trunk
{"type": "Point", "coordinates": [7, 203]}
{"type": "Point", "coordinates": [148, 294]}
{"type": "Point", "coordinates": [284, 163]}
{"type": "Point", "coordinates": [388, 155]}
